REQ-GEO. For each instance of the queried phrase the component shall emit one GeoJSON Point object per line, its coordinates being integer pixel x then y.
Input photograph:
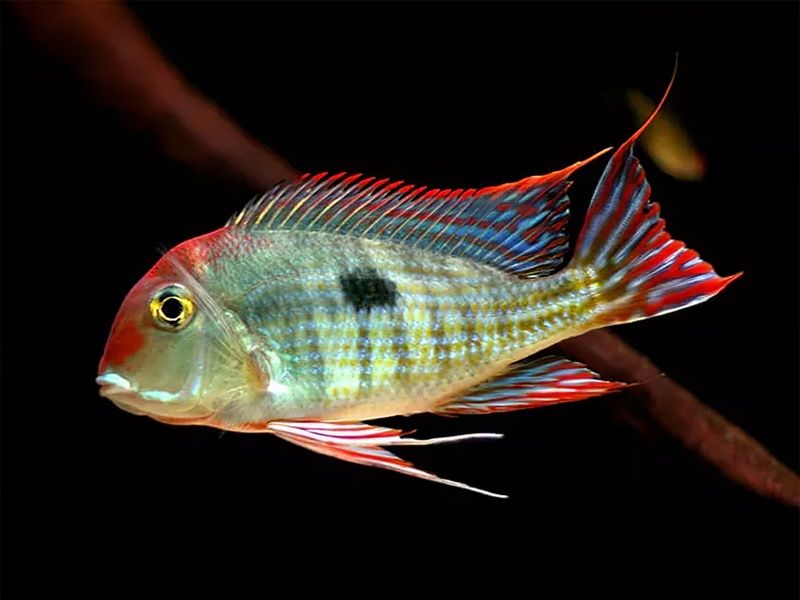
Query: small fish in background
{"type": "Point", "coordinates": [334, 300]}
{"type": "Point", "coordinates": [666, 141]}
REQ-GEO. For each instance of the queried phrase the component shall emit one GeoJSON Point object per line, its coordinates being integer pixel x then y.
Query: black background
{"type": "Point", "coordinates": [444, 95]}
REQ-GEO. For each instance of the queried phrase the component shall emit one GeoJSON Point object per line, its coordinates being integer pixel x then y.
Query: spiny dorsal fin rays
{"type": "Point", "coordinates": [517, 227]}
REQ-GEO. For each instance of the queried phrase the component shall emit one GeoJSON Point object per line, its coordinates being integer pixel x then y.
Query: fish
{"type": "Point", "coordinates": [667, 141]}
{"type": "Point", "coordinates": [335, 300]}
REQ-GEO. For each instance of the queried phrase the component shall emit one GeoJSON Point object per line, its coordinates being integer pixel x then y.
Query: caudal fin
{"type": "Point", "coordinates": [642, 271]}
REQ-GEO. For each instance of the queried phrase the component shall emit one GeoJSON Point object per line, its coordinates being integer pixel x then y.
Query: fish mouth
{"type": "Point", "coordinates": [112, 384]}
{"type": "Point", "coordinates": [120, 391]}
{"type": "Point", "coordinates": [124, 395]}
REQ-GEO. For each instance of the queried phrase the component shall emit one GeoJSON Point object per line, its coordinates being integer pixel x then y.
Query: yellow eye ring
{"type": "Point", "coordinates": [171, 308]}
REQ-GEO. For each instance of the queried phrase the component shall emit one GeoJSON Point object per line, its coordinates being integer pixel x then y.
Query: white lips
{"type": "Point", "coordinates": [111, 383]}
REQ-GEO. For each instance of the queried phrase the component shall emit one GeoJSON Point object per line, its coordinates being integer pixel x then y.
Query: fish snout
{"type": "Point", "coordinates": [113, 384]}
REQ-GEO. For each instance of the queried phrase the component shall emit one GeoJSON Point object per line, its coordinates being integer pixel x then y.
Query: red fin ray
{"type": "Point", "coordinates": [517, 227]}
{"type": "Point", "coordinates": [361, 443]}
{"type": "Point", "coordinates": [542, 382]}
{"type": "Point", "coordinates": [642, 270]}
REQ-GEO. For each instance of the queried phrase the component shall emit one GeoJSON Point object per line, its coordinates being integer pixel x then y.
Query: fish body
{"type": "Point", "coordinates": [359, 328]}
{"type": "Point", "coordinates": [332, 300]}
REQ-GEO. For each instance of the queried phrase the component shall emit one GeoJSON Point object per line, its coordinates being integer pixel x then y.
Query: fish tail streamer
{"type": "Point", "coordinates": [624, 247]}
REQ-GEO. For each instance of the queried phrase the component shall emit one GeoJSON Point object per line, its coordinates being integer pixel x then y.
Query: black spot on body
{"type": "Point", "coordinates": [364, 289]}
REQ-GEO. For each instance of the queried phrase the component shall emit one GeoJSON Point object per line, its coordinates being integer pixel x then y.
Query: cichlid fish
{"type": "Point", "coordinates": [333, 300]}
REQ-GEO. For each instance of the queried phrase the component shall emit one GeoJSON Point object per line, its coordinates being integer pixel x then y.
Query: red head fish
{"type": "Point", "coordinates": [337, 299]}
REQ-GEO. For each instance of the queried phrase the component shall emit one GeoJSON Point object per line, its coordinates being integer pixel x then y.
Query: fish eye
{"type": "Point", "coordinates": [172, 308]}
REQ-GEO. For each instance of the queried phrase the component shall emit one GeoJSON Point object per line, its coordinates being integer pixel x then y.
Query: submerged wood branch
{"type": "Point", "coordinates": [105, 43]}
{"type": "Point", "coordinates": [107, 46]}
{"type": "Point", "coordinates": [678, 412]}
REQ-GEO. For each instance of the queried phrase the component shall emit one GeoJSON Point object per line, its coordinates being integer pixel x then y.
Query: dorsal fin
{"type": "Point", "coordinates": [517, 227]}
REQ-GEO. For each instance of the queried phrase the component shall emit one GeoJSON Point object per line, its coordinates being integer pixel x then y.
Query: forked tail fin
{"type": "Point", "coordinates": [642, 271]}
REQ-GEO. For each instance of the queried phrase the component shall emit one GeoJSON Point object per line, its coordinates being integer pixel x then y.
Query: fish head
{"type": "Point", "coordinates": [172, 353]}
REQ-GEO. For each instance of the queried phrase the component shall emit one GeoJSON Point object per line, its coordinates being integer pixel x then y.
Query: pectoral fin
{"type": "Point", "coordinates": [362, 444]}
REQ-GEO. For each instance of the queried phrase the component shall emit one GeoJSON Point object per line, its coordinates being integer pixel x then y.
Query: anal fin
{"type": "Point", "coordinates": [542, 382]}
{"type": "Point", "coordinates": [361, 443]}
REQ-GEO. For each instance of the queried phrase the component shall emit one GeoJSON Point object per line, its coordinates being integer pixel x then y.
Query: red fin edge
{"type": "Point", "coordinates": [642, 271]}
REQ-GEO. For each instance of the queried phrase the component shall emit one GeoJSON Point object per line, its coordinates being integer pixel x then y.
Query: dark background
{"type": "Point", "coordinates": [443, 95]}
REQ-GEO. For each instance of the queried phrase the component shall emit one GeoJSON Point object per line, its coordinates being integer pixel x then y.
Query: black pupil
{"type": "Point", "coordinates": [171, 308]}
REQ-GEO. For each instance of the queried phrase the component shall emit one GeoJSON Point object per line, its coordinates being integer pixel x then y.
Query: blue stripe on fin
{"type": "Point", "coordinates": [517, 227]}
{"type": "Point", "coordinates": [532, 384]}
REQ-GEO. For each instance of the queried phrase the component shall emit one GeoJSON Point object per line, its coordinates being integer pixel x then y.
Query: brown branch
{"type": "Point", "coordinates": [677, 411]}
{"type": "Point", "coordinates": [105, 43]}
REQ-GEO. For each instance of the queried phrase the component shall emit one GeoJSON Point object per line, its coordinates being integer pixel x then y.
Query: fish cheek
{"type": "Point", "coordinates": [167, 360]}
